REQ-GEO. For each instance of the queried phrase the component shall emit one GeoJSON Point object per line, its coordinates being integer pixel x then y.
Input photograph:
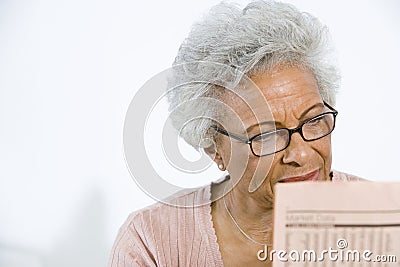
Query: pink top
{"type": "Point", "coordinates": [164, 235]}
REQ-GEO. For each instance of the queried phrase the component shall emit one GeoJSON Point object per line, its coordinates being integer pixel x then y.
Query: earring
{"type": "Point", "coordinates": [221, 167]}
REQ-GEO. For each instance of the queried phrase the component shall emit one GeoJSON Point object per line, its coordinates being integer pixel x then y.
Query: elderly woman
{"type": "Point", "coordinates": [278, 90]}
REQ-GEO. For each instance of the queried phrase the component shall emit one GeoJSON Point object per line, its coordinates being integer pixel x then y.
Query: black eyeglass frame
{"type": "Point", "coordinates": [298, 129]}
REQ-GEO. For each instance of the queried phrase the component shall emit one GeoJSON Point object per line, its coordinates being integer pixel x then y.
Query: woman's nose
{"type": "Point", "coordinates": [298, 152]}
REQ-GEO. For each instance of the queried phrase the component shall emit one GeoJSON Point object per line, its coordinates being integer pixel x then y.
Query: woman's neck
{"type": "Point", "coordinates": [253, 216]}
{"type": "Point", "coordinates": [238, 209]}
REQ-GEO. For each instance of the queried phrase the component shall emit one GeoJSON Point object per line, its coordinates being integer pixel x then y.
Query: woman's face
{"type": "Point", "coordinates": [293, 96]}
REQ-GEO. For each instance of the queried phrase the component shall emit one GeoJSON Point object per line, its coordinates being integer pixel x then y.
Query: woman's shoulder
{"type": "Point", "coordinates": [164, 213]}
{"type": "Point", "coordinates": [345, 177]}
{"type": "Point", "coordinates": [165, 231]}
{"type": "Point", "coordinates": [181, 202]}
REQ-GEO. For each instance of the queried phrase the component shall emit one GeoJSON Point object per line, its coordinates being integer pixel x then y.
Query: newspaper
{"type": "Point", "coordinates": [336, 224]}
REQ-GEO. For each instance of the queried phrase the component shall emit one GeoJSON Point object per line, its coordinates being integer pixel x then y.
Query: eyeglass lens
{"type": "Point", "coordinates": [275, 141]}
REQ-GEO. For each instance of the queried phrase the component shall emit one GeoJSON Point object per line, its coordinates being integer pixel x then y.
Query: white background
{"type": "Point", "coordinates": [68, 70]}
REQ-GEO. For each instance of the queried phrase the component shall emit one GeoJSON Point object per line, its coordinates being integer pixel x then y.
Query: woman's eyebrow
{"type": "Point", "coordinates": [274, 123]}
{"type": "Point", "coordinates": [320, 104]}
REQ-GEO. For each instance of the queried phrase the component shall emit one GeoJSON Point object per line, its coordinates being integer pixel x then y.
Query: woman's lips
{"type": "Point", "coordinates": [312, 176]}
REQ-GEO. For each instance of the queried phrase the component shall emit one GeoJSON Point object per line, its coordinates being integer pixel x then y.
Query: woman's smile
{"type": "Point", "coordinates": [310, 176]}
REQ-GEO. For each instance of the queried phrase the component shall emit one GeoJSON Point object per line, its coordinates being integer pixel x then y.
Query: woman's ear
{"type": "Point", "coordinates": [213, 153]}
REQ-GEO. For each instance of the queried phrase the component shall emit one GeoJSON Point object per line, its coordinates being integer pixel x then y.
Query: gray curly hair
{"type": "Point", "coordinates": [252, 40]}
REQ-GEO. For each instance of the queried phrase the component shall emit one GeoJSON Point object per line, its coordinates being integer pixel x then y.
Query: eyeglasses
{"type": "Point", "coordinates": [271, 142]}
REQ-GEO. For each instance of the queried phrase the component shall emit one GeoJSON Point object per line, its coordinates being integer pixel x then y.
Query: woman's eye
{"type": "Point", "coordinates": [315, 121]}
{"type": "Point", "coordinates": [267, 137]}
